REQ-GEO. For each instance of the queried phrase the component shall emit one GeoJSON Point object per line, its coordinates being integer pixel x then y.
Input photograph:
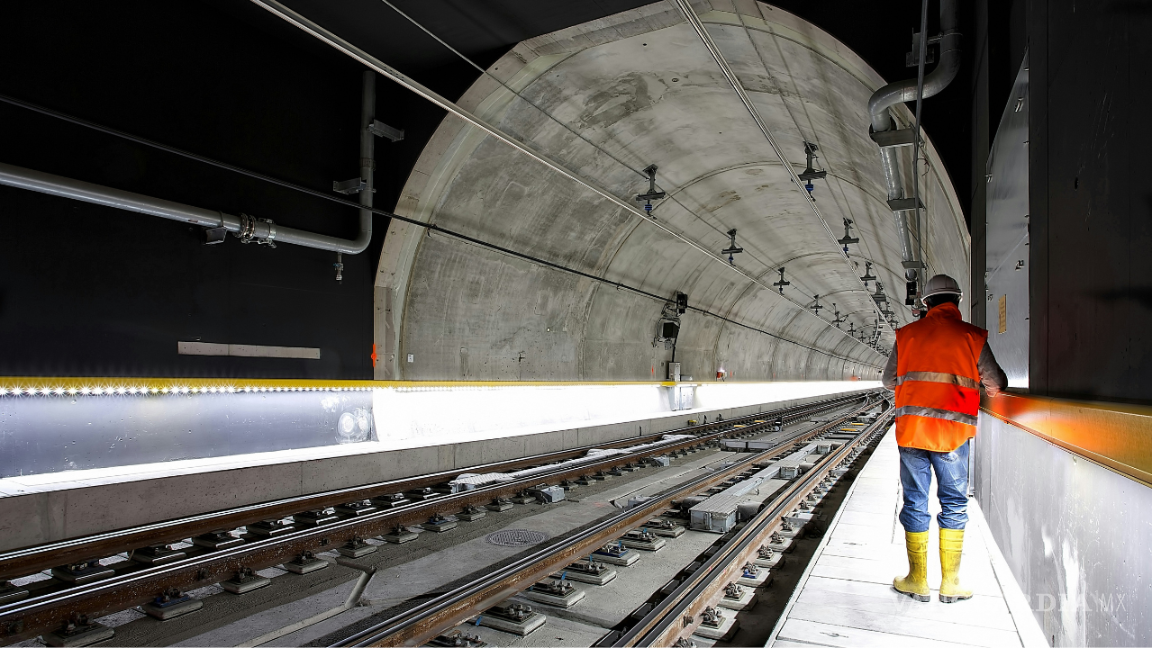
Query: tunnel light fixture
{"type": "Point", "coordinates": [811, 172]}
{"type": "Point", "coordinates": [848, 238]}
{"type": "Point", "coordinates": [68, 388]}
{"type": "Point", "coordinates": [668, 326]}
{"type": "Point", "coordinates": [837, 320]}
{"type": "Point", "coordinates": [732, 248]}
{"type": "Point", "coordinates": [780, 284]}
{"type": "Point", "coordinates": [879, 296]}
{"type": "Point", "coordinates": [653, 193]}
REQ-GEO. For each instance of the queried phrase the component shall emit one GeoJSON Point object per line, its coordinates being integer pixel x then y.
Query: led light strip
{"type": "Point", "coordinates": [69, 387]}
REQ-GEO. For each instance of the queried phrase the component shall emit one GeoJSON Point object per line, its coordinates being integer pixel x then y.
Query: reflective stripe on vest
{"type": "Point", "coordinates": [938, 377]}
{"type": "Point", "coordinates": [929, 412]}
{"type": "Point", "coordinates": [938, 380]}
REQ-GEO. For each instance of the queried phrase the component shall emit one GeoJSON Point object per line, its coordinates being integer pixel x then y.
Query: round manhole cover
{"type": "Point", "coordinates": [516, 538]}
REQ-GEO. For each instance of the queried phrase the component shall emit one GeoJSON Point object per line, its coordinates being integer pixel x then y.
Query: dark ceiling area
{"type": "Point", "coordinates": [87, 290]}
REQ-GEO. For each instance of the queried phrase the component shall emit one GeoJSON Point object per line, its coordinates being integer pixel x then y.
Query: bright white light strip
{"type": "Point", "coordinates": [127, 389]}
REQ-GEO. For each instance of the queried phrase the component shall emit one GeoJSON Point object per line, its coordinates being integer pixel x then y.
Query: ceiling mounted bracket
{"type": "Point", "coordinates": [780, 284]}
{"type": "Point", "coordinates": [349, 187]}
{"type": "Point", "coordinates": [380, 129]}
{"type": "Point", "coordinates": [732, 249]}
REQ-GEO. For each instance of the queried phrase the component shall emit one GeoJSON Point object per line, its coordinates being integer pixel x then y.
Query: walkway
{"type": "Point", "coordinates": [846, 597]}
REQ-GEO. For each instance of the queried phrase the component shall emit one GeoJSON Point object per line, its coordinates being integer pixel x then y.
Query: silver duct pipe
{"type": "Point", "coordinates": [934, 81]}
{"type": "Point", "coordinates": [367, 153]}
{"type": "Point", "coordinates": [244, 227]}
{"type": "Point", "coordinates": [902, 91]}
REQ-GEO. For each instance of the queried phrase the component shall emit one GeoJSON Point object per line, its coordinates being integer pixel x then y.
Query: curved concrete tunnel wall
{"type": "Point", "coordinates": [641, 88]}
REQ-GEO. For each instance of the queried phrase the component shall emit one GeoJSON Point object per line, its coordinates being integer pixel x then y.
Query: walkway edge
{"type": "Point", "coordinates": [816, 556]}
{"type": "Point", "coordinates": [1031, 635]}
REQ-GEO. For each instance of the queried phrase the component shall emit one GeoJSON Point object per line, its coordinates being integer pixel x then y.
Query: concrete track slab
{"type": "Point", "coordinates": [402, 582]}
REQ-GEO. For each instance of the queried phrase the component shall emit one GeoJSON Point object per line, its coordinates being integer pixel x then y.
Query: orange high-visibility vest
{"type": "Point", "coordinates": [937, 380]}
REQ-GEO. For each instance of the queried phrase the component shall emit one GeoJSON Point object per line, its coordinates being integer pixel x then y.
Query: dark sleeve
{"type": "Point", "coordinates": [991, 375]}
{"type": "Point", "coordinates": [888, 378]}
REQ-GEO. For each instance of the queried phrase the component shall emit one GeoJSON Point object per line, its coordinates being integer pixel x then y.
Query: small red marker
{"type": "Point", "coordinates": [373, 356]}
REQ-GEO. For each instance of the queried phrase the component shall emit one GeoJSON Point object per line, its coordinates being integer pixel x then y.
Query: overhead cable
{"type": "Point", "coordinates": [742, 94]}
{"type": "Point", "coordinates": [429, 226]}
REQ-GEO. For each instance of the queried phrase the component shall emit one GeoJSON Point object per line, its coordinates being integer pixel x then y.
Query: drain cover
{"type": "Point", "coordinates": [516, 538]}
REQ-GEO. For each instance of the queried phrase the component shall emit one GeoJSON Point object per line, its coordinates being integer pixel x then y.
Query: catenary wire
{"type": "Point", "coordinates": [792, 115]}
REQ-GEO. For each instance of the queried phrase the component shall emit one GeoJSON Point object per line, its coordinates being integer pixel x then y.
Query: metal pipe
{"type": "Point", "coordinates": [366, 573]}
{"type": "Point", "coordinates": [934, 81]}
{"type": "Point", "coordinates": [367, 152]}
{"type": "Point", "coordinates": [256, 229]}
{"type": "Point", "coordinates": [921, 55]}
{"type": "Point", "coordinates": [906, 90]}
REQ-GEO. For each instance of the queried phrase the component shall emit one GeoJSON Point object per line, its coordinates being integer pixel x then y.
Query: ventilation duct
{"type": "Point", "coordinates": [891, 139]}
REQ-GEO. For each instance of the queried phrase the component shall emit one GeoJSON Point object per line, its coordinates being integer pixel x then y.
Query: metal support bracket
{"type": "Point", "coordinates": [380, 129]}
{"type": "Point", "coordinates": [215, 235]}
{"type": "Point", "coordinates": [905, 204]}
{"type": "Point", "coordinates": [349, 187]}
{"type": "Point", "coordinates": [893, 138]}
{"type": "Point", "coordinates": [912, 59]}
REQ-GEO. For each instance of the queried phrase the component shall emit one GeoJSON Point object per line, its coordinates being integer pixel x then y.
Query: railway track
{"type": "Point", "coordinates": [677, 614]}
{"type": "Point", "coordinates": [426, 621]}
{"type": "Point", "coordinates": [56, 603]}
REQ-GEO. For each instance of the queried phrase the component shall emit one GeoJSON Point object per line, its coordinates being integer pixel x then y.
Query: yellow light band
{"type": "Point", "coordinates": [70, 386]}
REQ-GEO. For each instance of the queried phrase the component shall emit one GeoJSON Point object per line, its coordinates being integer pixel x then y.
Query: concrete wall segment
{"type": "Point", "coordinates": [1073, 533]}
{"type": "Point", "coordinates": [525, 209]}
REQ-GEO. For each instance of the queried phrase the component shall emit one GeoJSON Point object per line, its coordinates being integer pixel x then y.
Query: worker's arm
{"type": "Point", "coordinates": [991, 375]}
{"type": "Point", "coordinates": [888, 378]}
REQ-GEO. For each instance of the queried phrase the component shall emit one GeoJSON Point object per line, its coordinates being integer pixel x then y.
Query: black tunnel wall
{"type": "Point", "coordinates": [1090, 200]}
{"type": "Point", "coordinates": [90, 290]}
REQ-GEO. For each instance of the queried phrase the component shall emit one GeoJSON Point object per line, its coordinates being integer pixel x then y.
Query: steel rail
{"type": "Point", "coordinates": [21, 562]}
{"type": "Point", "coordinates": [424, 622]}
{"type": "Point", "coordinates": [46, 611]}
{"type": "Point", "coordinates": [667, 621]}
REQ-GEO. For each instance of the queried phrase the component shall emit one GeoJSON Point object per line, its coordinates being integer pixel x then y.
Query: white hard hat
{"type": "Point", "coordinates": [942, 285]}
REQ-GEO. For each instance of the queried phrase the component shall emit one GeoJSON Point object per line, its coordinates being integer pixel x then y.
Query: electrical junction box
{"type": "Point", "coordinates": [548, 494]}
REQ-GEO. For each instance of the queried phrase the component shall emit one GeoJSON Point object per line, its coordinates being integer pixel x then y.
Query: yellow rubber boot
{"type": "Point", "coordinates": [951, 546]}
{"type": "Point", "coordinates": [915, 584]}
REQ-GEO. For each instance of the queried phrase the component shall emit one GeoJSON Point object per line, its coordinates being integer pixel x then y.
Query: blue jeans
{"type": "Point", "coordinates": [951, 468]}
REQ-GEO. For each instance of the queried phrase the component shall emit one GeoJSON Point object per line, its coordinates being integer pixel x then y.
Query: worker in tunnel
{"type": "Point", "coordinates": [936, 369]}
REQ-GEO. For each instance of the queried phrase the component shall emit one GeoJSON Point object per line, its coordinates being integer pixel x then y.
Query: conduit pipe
{"type": "Point", "coordinates": [244, 227]}
{"type": "Point", "coordinates": [366, 573]}
{"type": "Point", "coordinates": [902, 91]}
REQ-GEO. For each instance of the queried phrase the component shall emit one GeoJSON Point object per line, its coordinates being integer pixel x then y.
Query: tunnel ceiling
{"type": "Point", "coordinates": [606, 99]}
